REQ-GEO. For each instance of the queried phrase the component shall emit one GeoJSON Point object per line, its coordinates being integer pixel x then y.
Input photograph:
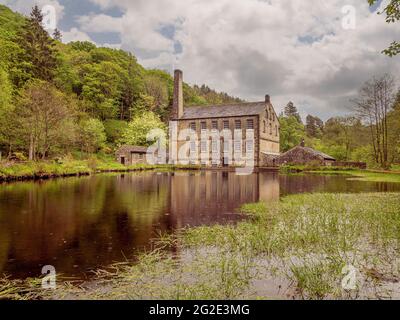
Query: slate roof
{"type": "Point", "coordinates": [129, 149]}
{"type": "Point", "coordinates": [311, 151]}
{"type": "Point", "coordinates": [319, 153]}
{"type": "Point", "coordinates": [223, 111]}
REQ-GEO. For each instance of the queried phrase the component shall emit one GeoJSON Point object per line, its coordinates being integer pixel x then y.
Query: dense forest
{"type": "Point", "coordinates": [74, 99]}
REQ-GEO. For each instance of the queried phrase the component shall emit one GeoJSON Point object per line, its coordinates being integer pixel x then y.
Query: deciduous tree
{"type": "Point", "coordinates": [376, 100]}
{"type": "Point", "coordinates": [43, 119]}
{"type": "Point", "coordinates": [139, 127]}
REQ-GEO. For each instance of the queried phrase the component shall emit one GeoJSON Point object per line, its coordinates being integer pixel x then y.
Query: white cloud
{"type": "Point", "coordinates": [75, 35]}
{"type": "Point", "coordinates": [249, 47]}
{"type": "Point", "coordinates": [292, 49]}
{"type": "Point", "coordinates": [25, 6]}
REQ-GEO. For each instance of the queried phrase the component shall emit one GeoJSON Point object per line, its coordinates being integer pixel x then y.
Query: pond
{"type": "Point", "coordinates": [80, 224]}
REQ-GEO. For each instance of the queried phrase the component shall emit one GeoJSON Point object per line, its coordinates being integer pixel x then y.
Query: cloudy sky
{"type": "Point", "coordinates": [314, 53]}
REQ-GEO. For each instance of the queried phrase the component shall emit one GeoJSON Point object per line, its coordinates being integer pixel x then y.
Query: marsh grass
{"type": "Point", "coordinates": [305, 239]}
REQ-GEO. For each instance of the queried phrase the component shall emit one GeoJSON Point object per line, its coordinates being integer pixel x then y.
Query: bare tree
{"type": "Point", "coordinates": [43, 119]}
{"type": "Point", "coordinates": [375, 101]}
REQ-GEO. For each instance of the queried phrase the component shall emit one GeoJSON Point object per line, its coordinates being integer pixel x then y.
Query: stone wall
{"type": "Point", "coordinates": [349, 164]}
{"type": "Point", "coordinates": [300, 157]}
{"type": "Point", "coordinates": [131, 158]}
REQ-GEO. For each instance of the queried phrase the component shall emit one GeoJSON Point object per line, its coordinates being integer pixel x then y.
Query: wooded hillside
{"type": "Point", "coordinates": [59, 98]}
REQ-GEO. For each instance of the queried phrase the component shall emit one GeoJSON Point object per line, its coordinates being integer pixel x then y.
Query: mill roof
{"type": "Point", "coordinates": [223, 111]}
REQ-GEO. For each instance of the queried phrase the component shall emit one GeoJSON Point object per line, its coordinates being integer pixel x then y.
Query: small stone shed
{"type": "Point", "coordinates": [302, 155]}
{"type": "Point", "coordinates": [129, 155]}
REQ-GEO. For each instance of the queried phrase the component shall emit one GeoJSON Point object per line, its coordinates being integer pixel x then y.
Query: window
{"type": "Point", "coordinates": [192, 147]}
{"type": "Point", "coordinates": [214, 147]}
{"type": "Point", "coordinates": [270, 114]}
{"type": "Point", "coordinates": [249, 146]}
{"type": "Point", "coordinates": [238, 124]}
{"type": "Point", "coordinates": [226, 146]}
{"type": "Point", "coordinates": [270, 128]}
{"type": "Point", "coordinates": [265, 126]}
{"type": "Point", "coordinates": [238, 146]}
{"type": "Point", "coordinates": [226, 124]}
{"type": "Point", "coordinates": [214, 125]}
{"type": "Point", "coordinates": [267, 113]}
{"type": "Point", "coordinates": [204, 126]}
{"type": "Point", "coordinates": [250, 124]}
{"type": "Point", "coordinates": [276, 130]}
{"type": "Point", "coordinates": [193, 126]}
{"type": "Point", "coordinates": [203, 146]}
{"type": "Point", "coordinates": [141, 156]}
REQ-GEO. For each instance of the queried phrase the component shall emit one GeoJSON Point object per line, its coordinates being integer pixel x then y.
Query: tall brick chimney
{"type": "Point", "coordinates": [267, 98]}
{"type": "Point", "coordinates": [177, 108]}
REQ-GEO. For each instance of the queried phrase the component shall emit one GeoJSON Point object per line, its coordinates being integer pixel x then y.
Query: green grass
{"type": "Point", "coordinates": [62, 168]}
{"type": "Point", "coordinates": [306, 240]}
{"type": "Point", "coordinates": [362, 175]}
{"type": "Point", "coordinates": [395, 167]}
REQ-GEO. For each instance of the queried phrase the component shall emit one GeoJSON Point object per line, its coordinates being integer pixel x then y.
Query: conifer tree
{"type": "Point", "coordinates": [38, 55]}
{"type": "Point", "coordinates": [57, 35]}
{"type": "Point", "coordinates": [291, 111]}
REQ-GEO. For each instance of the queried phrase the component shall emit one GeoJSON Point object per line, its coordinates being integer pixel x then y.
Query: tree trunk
{"type": "Point", "coordinates": [31, 147]}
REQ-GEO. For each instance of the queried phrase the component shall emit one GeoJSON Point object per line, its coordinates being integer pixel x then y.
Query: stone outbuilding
{"type": "Point", "coordinates": [302, 155]}
{"type": "Point", "coordinates": [130, 155]}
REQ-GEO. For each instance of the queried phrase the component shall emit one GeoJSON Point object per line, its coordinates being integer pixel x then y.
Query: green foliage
{"type": "Point", "coordinates": [314, 127]}
{"type": "Point", "coordinates": [159, 86]}
{"type": "Point", "coordinates": [140, 127]}
{"type": "Point", "coordinates": [392, 11]}
{"type": "Point", "coordinates": [291, 132]}
{"type": "Point", "coordinates": [37, 57]}
{"type": "Point", "coordinates": [5, 92]}
{"type": "Point", "coordinates": [91, 135]}
{"type": "Point", "coordinates": [114, 130]}
{"type": "Point", "coordinates": [82, 46]}
{"type": "Point", "coordinates": [43, 119]}
{"type": "Point", "coordinates": [203, 95]}
{"type": "Point", "coordinates": [364, 154]}
{"type": "Point", "coordinates": [102, 83]}
{"type": "Point", "coordinates": [291, 111]}
{"type": "Point", "coordinates": [101, 87]}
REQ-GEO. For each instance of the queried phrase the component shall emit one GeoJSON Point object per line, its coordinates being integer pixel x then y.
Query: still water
{"type": "Point", "coordinates": [80, 224]}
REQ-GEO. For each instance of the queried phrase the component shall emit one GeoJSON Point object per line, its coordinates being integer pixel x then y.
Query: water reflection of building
{"type": "Point", "coordinates": [79, 224]}
{"type": "Point", "coordinates": [211, 197]}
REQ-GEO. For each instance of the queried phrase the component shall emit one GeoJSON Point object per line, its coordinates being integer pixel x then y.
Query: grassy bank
{"type": "Point", "coordinates": [362, 175]}
{"type": "Point", "coordinates": [297, 248]}
{"type": "Point", "coordinates": [53, 169]}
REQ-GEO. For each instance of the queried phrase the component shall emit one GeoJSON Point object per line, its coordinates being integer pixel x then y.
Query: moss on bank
{"type": "Point", "coordinates": [304, 244]}
{"type": "Point", "coordinates": [53, 169]}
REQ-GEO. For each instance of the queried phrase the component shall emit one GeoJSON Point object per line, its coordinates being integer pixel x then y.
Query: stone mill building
{"type": "Point", "coordinates": [257, 118]}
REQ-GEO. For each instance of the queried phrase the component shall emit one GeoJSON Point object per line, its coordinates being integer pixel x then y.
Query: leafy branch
{"type": "Point", "coordinates": [392, 11]}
